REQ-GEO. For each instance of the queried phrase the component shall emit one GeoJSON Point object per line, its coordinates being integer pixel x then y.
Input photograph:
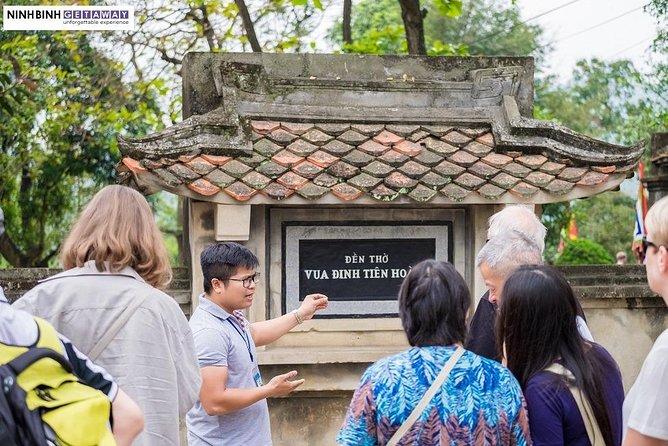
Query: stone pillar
{"type": "Point", "coordinates": [657, 182]}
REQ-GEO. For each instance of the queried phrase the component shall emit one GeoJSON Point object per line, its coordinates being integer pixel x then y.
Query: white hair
{"type": "Point", "coordinates": [521, 219]}
{"type": "Point", "coordinates": [508, 251]}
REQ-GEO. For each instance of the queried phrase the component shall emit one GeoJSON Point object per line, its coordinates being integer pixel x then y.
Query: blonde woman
{"type": "Point", "coordinates": [108, 302]}
{"type": "Point", "coordinates": [646, 404]}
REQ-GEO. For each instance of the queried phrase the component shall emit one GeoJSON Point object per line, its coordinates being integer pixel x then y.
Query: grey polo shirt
{"type": "Point", "coordinates": [220, 341]}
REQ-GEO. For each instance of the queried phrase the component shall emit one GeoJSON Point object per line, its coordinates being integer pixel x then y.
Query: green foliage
{"type": "Point", "coordinates": [607, 218]}
{"type": "Point", "coordinates": [448, 8]}
{"type": "Point", "coordinates": [555, 216]}
{"type": "Point", "coordinates": [165, 206]}
{"type": "Point", "coordinates": [582, 251]}
{"type": "Point", "coordinates": [476, 27]}
{"type": "Point", "coordinates": [611, 101]}
{"type": "Point", "coordinates": [58, 137]}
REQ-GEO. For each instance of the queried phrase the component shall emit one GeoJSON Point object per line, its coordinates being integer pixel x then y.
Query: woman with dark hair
{"type": "Point", "coordinates": [573, 387]}
{"type": "Point", "coordinates": [411, 398]}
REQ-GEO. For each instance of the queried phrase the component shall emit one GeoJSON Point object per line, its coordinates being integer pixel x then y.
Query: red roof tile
{"type": "Point", "coordinates": [346, 192]}
{"type": "Point", "coordinates": [385, 162]}
{"type": "Point", "coordinates": [592, 179]}
{"type": "Point", "coordinates": [487, 139]}
{"type": "Point", "coordinates": [201, 165]}
{"type": "Point", "coordinates": [264, 127]}
{"type": "Point", "coordinates": [456, 138]}
{"type": "Point", "coordinates": [397, 180]}
{"type": "Point", "coordinates": [317, 137]}
{"type": "Point", "coordinates": [408, 148]}
{"type": "Point", "coordinates": [277, 191]}
{"type": "Point", "coordinates": [422, 193]}
{"type": "Point", "coordinates": [308, 170]}
{"type": "Point", "coordinates": [287, 159]}
{"type": "Point", "coordinates": [373, 148]}
{"type": "Point", "coordinates": [256, 180]}
{"type": "Point", "coordinates": [297, 128]}
{"type": "Point", "coordinates": [203, 187]}
{"type": "Point", "coordinates": [133, 165]}
{"type": "Point", "coordinates": [386, 138]}
{"type": "Point", "coordinates": [302, 148]}
{"type": "Point", "coordinates": [393, 158]}
{"type": "Point", "coordinates": [217, 160]}
{"type": "Point", "coordinates": [312, 191]}
{"type": "Point", "coordinates": [291, 180]}
{"type": "Point", "coordinates": [239, 191]}
{"type": "Point", "coordinates": [281, 136]}
{"type": "Point", "coordinates": [322, 159]}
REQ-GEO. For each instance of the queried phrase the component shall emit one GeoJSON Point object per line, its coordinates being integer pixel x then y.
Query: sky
{"type": "Point", "coordinates": [606, 29]}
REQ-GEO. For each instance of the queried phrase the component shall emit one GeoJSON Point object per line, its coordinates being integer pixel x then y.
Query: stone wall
{"type": "Point", "coordinates": [17, 281]}
{"type": "Point", "coordinates": [622, 312]}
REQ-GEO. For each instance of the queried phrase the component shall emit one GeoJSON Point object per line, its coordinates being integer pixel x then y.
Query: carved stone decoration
{"type": "Point", "coordinates": [513, 131]}
{"type": "Point", "coordinates": [216, 133]}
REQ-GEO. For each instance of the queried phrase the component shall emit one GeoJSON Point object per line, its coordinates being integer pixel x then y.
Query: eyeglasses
{"type": "Point", "coordinates": [246, 283]}
{"type": "Point", "coordinates": [646, 244]}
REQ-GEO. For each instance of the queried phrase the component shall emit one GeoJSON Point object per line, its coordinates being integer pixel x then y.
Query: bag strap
{"type": "Point", "coordinates": [586, 412]}
{"type": "Point", "coordinates": [115, 328]}
{"type": "Point", "coordinates": [32, 355]}
{"type": "Point", "coordinates": [429, 394]}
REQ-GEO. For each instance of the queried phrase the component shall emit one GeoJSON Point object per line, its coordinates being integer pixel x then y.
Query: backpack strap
{"type": "Point", "coordinates": [586, 412]}
{"type": "Point", "coordinates": [115, 328]}
{"type": "Point", "coordinates": [428, 396]}
{"type": "Point", "coordinates": [32, 355]}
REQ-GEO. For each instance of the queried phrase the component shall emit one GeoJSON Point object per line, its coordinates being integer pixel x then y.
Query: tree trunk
{"type": "Point", "coordinates": [11, 252]}
{"type": "Point", "coordinates": [347, 11]}
{"type": "Point", "coordinates": [248, 26]}
{"type": "Point", "coordinates": [413, 19]}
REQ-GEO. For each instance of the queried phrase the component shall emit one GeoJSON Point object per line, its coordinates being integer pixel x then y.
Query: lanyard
{"type": "Point", "coordinates": [244, 336]}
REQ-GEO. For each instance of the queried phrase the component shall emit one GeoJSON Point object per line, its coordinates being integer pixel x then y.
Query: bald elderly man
{"type": "Point", "coordinates": [515, 237]}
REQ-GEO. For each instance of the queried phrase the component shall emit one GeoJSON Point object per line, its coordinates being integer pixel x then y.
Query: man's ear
{"type": "Point", "coordinates": [217, 285]}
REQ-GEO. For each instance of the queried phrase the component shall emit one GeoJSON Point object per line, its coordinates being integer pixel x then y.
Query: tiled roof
{"type": "Point", "coordinates": [340, 162]}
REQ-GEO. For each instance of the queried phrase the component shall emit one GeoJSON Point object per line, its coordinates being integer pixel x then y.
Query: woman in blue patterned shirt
{"type": "Point", "coordinates": [479, 403]}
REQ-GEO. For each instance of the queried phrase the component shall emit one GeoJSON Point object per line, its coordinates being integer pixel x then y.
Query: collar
{"type": "Point", "coordinates": [215, 310]}
{"type": "Point", "coordinates": [89, 269]}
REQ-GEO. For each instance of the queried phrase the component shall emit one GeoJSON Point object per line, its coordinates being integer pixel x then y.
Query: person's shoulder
{"type": "Point", "coordinates": [389, 366]}
{"type": "Point", "coordinates": [659, 351]}
{"type": "Point", "coordinates": [489, 365]}
{"type": "Point", "coordinates": [159, 300]}
{"type": "Point", "coordinates": [491, 374]}
{"type": "Point", "coordinates": [662, 341]}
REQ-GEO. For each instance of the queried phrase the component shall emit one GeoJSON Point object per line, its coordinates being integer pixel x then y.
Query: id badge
{"type": "Point", "coordinates": [257, 378]}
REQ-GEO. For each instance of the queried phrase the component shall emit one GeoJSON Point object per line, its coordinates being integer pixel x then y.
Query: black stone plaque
{"type": "Point", "coordinates": [359, 269]}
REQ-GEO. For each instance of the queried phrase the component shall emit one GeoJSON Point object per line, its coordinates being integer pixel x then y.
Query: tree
{"type": "Point", "coordinates": [413, 18]}
{"type": "Point", "coordinates": [612, 101]}
{"type": "Point", "coordinates": [478, 27]}
{"type": "Point", "coordinates": [64, 97]}
{"type": "Point", "coordinates": [608, 219]}
{"type": "Point", "coordinates": [57, 135]}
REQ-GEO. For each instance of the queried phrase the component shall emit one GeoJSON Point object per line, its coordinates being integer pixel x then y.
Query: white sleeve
{"type": "Point", "coordinates": [583, 329]}
{"type": "Point", "coordinates": [649, 414]}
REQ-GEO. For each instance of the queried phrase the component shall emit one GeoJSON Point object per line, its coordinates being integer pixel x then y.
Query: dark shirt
{"type": "Point", "coordinates": [481, 338]}
{"type": "Point", "coordinates": [553, 413]}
